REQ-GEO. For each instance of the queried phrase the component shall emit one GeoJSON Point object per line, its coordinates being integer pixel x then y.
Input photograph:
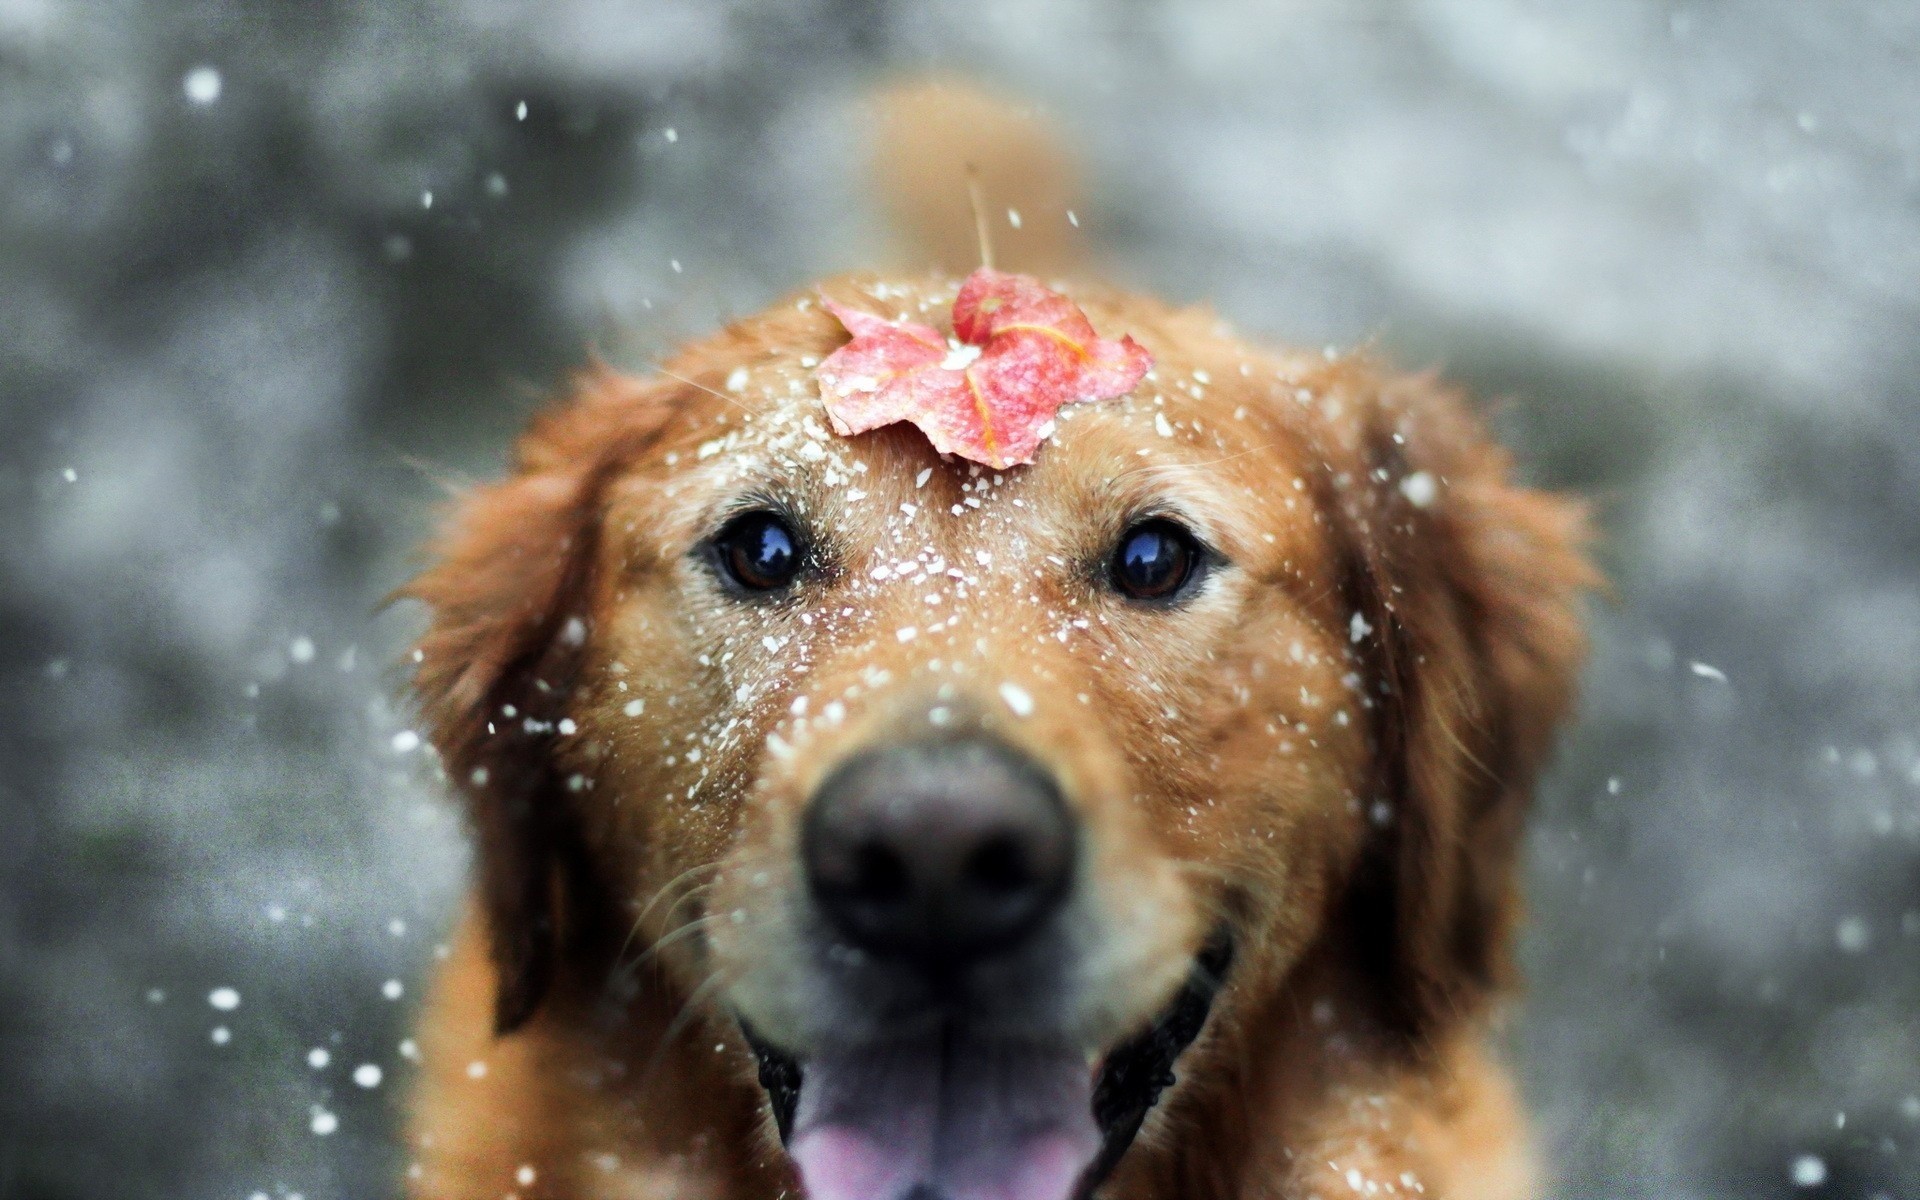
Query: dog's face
{"type": "Point", "coordinates": [946, 782]}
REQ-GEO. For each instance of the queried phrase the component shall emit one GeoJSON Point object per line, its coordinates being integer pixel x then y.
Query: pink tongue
{"type": "Point", "coordinates": [948, 1115]}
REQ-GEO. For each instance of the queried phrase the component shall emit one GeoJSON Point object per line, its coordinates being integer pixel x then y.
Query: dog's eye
{"type": "Point", "coordinates": [1154, 560]}
{"type": "Point", "coordinates": [759, 551]}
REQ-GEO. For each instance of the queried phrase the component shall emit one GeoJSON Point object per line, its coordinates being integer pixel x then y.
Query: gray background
{"type": "Point", "coordinates": [239, 357]}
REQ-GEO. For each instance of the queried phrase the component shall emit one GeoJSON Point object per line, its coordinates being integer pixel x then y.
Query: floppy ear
{"type": "Point", "coordinates": [508, 593]}
{"type": "Point", "coordinates": [1469, 590]}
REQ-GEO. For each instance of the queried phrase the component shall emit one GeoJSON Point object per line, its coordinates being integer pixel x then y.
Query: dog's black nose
{"type": "Point", "coordinates": [940, 853]}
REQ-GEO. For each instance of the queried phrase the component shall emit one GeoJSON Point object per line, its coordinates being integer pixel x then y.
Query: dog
{"type": "Point", "coordinates": [865, 821]}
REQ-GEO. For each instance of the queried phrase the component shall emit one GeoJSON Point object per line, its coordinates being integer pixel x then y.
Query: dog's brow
{"type": "Point", "coordinates": [1183, 490]}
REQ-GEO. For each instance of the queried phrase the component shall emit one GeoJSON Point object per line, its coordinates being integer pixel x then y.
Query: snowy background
{"type": "Point", "coordinates": [270, 274]}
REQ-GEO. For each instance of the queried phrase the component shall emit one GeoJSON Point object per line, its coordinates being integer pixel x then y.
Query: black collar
{"type": "Point", "coordinates": [1140, 1068]}
{"type": "Point", "coordinates": [1131, 1080]}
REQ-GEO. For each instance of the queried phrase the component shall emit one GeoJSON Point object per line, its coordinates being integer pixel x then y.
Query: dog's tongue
{"type": "Point", "coordinates": [949, 1116]}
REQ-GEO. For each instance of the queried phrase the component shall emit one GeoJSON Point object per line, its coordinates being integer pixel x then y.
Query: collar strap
{"type": "Point", "coordinates": [1140, 1068]}
{"type": "Point", "coordinates": [780, 1076]}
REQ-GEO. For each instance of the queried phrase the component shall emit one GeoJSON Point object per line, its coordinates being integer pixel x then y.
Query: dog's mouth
{"type": "Point", "coordinates": [956, 1115]}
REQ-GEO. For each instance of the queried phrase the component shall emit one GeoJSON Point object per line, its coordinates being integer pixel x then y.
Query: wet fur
{"type": "Point", "coordinates": [1337, 759]}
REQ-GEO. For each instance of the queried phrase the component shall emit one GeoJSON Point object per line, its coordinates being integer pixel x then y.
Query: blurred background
{"type": "Point", "coordinates": [271, 275]}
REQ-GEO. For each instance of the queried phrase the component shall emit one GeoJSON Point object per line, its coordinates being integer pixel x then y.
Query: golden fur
{"type": "Point", "coordinates": [1331, 749]}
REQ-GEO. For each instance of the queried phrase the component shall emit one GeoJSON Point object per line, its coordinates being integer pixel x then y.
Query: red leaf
{"type": "Point", "coordinates": [867, 381]}
{"type": "Point", "coordinates": [1023, 351]}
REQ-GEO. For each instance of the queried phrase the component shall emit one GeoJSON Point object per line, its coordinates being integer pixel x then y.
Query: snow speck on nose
{"type": "Point", "coordinates": [1419, 488]}
{"type": "Point", "coordinates": [224, 998]}
{"type": "Point", "coordinates": [367, 1075]}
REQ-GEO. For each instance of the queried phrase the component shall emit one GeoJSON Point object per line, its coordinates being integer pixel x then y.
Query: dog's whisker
{"type": "Point", "coordinates": [670, 930]}
{"type": "Point", "coordinates": [692, 1008]}
{"type": "Point", "coordinates": [676, 881]}
{"type": "Point", "coordinates": [660, 894]}
{"type": "Point", "coordinates": [678, 934]}
{"type": "Point", "coordinates": [1215, 905]}
{"type": "Point", "coordinates": [694, 383]}
{"type": "Point", "coordinates": [1161, 469]}
{"type": "Point", "coordinates": [1210, 870]}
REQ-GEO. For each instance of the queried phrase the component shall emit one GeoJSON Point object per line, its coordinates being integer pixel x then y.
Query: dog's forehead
{"type": "Point", "coordinates": [1206, 436]}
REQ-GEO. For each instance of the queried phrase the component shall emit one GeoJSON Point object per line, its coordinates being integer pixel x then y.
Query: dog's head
{"type": "Point", "coordinates": [960, 789]}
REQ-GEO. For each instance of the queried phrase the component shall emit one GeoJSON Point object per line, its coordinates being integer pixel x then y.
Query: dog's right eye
{"type": "Point", "coordinates": [759, 551]}
{"type": "Point", "coordinates": [1155, 560]}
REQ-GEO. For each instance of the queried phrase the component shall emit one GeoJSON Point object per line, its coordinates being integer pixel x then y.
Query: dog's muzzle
{"type": "Point", "coordinates": [942, 867]}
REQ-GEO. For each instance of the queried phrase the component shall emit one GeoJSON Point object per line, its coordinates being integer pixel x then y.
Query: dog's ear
{"type": "Point", "coordinates": [1467, 589]}
{"type": "Point", "coordinates": [508, 590]}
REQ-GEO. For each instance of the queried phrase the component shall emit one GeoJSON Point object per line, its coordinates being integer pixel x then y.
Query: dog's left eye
{"type": "Point", "coordinates": [759, 551]}
{"type": "Point", "coordinates": [1155, 560]}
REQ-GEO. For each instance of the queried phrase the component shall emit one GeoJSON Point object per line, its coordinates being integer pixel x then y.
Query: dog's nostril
{"type": "Point", "coordinates": [999, 865]}
{"type": "Point", "coordinates": [880, 875]}
{"type": "Point", "coordinates": [938, 853]}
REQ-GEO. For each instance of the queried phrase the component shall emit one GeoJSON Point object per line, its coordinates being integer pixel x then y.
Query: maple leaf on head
{"type": "Point", "coordinates": [1022, 351]}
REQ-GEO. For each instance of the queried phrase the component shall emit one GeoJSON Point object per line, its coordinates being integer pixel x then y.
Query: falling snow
{"type": "Point", "coordinates": [202, 85]}
{"type": "Point", "coordinates": [1730, 424]}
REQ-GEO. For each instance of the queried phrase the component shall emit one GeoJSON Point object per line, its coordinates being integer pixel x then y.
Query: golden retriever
{"type": "Point", "coordinates": [849, 817]}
